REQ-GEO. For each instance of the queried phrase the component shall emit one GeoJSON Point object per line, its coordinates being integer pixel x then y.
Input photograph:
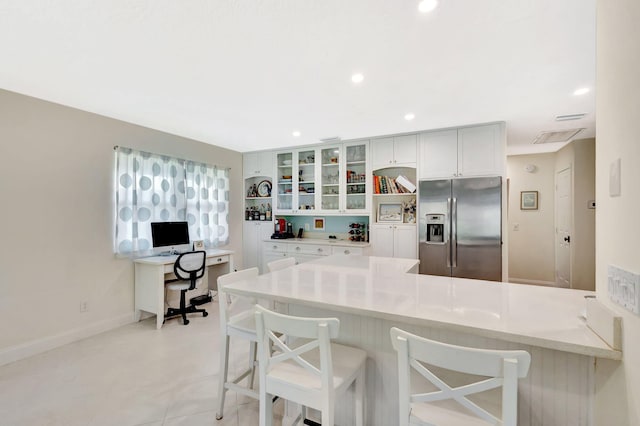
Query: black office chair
{"type": "Point", "coordinates": [189, 270]}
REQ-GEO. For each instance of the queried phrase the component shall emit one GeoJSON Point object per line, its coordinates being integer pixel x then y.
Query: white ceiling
{"type": "Point", "coordinates": [244, 74]}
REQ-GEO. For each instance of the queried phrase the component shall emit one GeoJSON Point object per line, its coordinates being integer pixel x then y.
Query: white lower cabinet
{"type": "Point", "coordinates": [253, 234]}
{"type": "Point", "coordinates": [389, 240]}
{"type": "Point", "coordinates": [304, 251]}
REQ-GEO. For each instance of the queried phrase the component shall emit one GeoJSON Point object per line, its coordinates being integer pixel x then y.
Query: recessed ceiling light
{"type": "Point", "coordinates": [357, 78]}
{"type": "Point", "coordinates": [426, 6]}
{"type": "Point", "coordinates": [581, 91]}
{"type": "Point", "coordinates": [296, 134]}
{"type": "Point", "coordinates": [409, 116]}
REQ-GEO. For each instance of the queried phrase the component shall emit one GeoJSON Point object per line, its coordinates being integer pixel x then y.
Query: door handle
{"type": "Point", "coordinates": [567, 238]}
{"type": "Point", "coordinates": [454, 232]}
{"type": "Point", "coordinates": [448, 239]}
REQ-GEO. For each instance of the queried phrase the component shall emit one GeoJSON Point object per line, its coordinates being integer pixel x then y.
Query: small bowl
{"type": "Point", "coordinates": [286, 162]}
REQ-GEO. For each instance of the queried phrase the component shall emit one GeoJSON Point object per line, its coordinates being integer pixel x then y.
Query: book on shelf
{"type": "Point", "coordinates": [406, 184]}
{"type": "Point", "coordinates": [389, 185]}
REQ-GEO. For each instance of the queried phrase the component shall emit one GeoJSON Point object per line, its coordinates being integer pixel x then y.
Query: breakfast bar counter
{"type": "Point", "coordinates": [370, 295]}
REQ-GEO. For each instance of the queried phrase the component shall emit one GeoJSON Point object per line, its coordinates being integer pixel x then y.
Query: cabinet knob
{"type": "Point", "coordinates": [275, 247]}
{"type": "Point", "coordinates": [347, 252]}
{"type": "Point", "coordinates": [320, 250]}
{"type": "Point", "coordinates": [298, 248]}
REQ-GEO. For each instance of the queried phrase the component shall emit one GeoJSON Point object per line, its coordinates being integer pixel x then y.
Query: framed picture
{"type": "Point", "coordinates": [528, 200]}
{"type": "Point", "coordinates": [198, 245]}
{"type": "Point", "coordinates": [390, 212]}
{"type": "Point", "coordinates": [318, 223]}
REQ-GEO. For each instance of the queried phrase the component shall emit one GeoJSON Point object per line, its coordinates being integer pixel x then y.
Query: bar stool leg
{"type": "Point", "coordinates": [224, 371]}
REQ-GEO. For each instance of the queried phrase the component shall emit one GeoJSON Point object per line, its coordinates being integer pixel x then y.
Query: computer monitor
{"type": "Point", "coordinates": [170, 237]}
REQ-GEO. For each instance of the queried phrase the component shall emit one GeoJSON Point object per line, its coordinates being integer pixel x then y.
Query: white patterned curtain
{"type": "Point", "coordinates": [158, 188]}
{"type": "Point", "coordinates": [207, 203]}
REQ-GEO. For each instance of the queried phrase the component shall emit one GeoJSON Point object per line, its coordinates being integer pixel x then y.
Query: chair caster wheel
{"type": "Point", "coordinates": [218, 417]}
{"type": "Point", "coordinates": [204, 314]}
{"type": "Point", "coordinates": [186, 322]}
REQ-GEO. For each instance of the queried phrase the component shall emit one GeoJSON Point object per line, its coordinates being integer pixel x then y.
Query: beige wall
{"type": "Point", "coordinates": [617, 224]}
{"type": "Point", "coordinates": [583, 239]}
{"type": "Point", "coordinates": [531, 247]}
{"type": "Point", "coordinates": [56, 180]}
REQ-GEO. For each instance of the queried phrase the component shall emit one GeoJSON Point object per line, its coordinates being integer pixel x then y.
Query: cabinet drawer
{"type": "Point", "coordinates": [315, 249]}
{"type": "Point", "coordinates": [347, 250]}
{"type": "Point", "coordinates": [217, 260]}
{"type": "Point", "coordinates": [275, 247]}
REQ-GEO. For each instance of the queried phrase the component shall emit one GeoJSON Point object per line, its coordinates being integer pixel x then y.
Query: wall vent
{"type": "Point", "coordinates": [332, 139]}
{"type": "Point", "coordinates": [568, 117]}
{"type": "Point", "coordinates": [561, 136]}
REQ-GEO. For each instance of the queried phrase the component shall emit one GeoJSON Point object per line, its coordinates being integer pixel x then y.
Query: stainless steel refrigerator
{"type": "Point", "coordinates": [461, 228]}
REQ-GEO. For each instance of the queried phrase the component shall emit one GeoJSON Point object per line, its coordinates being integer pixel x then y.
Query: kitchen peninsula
{"type": "Point", "coordinates": [369, 295]}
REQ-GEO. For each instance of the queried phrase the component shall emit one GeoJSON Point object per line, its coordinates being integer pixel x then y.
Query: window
{"type": "Point", "coordinates": [157, 188]}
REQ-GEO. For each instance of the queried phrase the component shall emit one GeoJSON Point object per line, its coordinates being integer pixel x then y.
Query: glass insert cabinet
{"type": "Point", "coordinates": [332, 179]}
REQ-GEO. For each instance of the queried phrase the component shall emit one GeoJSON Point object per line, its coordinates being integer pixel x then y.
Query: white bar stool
{"type": "Point", "coordinates": [311, 371]}
{"type": "Point", "coordinates": [237, 319]}
{"type": "Point", "coordinates": [503, 369]}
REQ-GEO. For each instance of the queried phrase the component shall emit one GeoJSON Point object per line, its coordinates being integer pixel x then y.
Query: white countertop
{"type": "Point", "coordinates": [533, 315]}
{"type": "Point", "coordinates": [345, 243]}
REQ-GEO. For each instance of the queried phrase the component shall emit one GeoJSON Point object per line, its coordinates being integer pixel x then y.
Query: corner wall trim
{"type": "Point", "coordinates": [34, 347]}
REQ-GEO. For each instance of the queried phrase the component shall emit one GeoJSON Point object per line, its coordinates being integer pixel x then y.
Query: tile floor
{"type": "Point", "coordinates": [134, 375]}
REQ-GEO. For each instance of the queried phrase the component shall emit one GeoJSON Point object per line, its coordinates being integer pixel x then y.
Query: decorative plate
{"type": "Point", "coordinates": [264, 189]}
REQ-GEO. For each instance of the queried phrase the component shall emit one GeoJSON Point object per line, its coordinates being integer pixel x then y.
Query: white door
{"type": "Point", "coordinates": [405, 241]}
{"type": "Point", "coordinates": [381, 152]}
{"type": "Point", "coordinates": [563, 228]}
{"type": "Point", "coordinates": [438, 154]}
{"type": "Point", "coordinates": [382, 240]}
{"type": "Point", "coordinates": [479, 151]}
{"type": "Point", "coordinates": [249, 245]}
{"type": "Point", "coordinates": [404, 150]}
{"type": "Point", "coordinates": [264, 231]}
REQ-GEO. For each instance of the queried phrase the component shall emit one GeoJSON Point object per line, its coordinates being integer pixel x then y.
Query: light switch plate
{"type": "Point", "coordinates": [624, 288]}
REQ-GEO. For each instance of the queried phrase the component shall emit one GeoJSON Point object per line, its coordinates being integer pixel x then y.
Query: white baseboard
{"type": "Point", "coordinates": [532, 282]}
{"type": "Point", "coordinates": [25, 350]}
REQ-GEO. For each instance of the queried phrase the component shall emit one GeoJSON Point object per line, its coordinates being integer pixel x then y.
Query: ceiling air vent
{"type": "Point", "coordinates": [332, 139]}
{"type": "Point", "coordinates": [568, 117]}
{"type": "Point", "coordinates": [561, 136]}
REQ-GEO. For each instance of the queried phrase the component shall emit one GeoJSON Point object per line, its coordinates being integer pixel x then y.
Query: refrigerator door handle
{"type": "Point", "coordinates": [449, 239]}
{"type": "Point", "coordinates": [454, 232]}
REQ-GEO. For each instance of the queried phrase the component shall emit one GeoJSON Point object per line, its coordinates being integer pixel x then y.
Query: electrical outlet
{"type": "Point", "coordinates": [84, 306]}
{"type": "Point", "coordinates": [516, 226]}
{"type": "Point", "coordinates": [624, 288]}
{"type": "Point", "coordinates": [306, 226]}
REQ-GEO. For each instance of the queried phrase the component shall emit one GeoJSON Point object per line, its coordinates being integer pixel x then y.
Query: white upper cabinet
{"type": "Point", "coordinates": [438, 154]}
{"type": "Point", "coordinates": [257, 164]}
{"type": "Point", "coordinates": [357, 178]}
{"type": "Point", "coordinates": [396, 151]}
{"type": "Point", "coordinates": [464, 152]}
{"type": "Point", "coordinates": [480, 151]}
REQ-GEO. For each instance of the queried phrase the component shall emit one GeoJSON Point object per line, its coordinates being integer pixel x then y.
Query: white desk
{"type": "Point", "coordinates": [151, 272]}
{"type": "Point", "coordinates": [369, 295]}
